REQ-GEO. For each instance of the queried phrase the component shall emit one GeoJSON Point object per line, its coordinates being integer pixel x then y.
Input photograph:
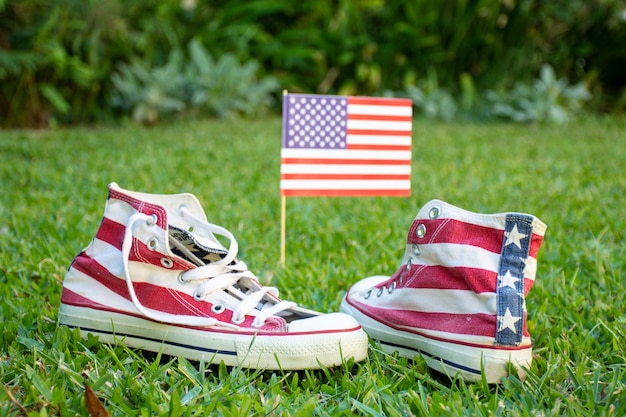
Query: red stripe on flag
{"type": "Point", "coordinates": [352, 116]}
{"type": "Point", "coordinates": [378, 101]}
{"type": "Point", "coordinates": [345, 193]}
{"type": "Point", "coordinates": [307, 161]}
{"type": "Point", "coordinates": [379, 147]}
{"type": "Point", "coordinates": [345, 177]}
{"type": "Point", "coordinates": [379, 132]}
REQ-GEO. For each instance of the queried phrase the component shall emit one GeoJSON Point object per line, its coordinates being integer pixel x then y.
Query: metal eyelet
{"type": "Point", "coordinates": [416, 249]}
{"type": "Point", "coordinates": [238, 321]}
{"type": "Point", "coordinates": [167, 262]}
{"type": "Point", "coordinates": [391, 287]}
{"type": "Point", "coordinates": [152, 220]}
{"type": "Point", "coordinates": [197, 296]}
{"type": "Point", "coordinates": [433, 213]}
{"type": "Point", "coordinates": [153, 243]}
{"type": "Point", "coordinates": [181, 279]}
{"type": "Point", "coordinates": [380, 291]}
{"type": "Point", "coordinates": [409, 263]}
{"type": "Point", "coordinates": [421, 230]}
{"type": "Point", "coordinates": [182, 209]}
{"type": "Point", "coordinates": [218, 308]}
{"type": "Point", "coordinates": [367, 294]}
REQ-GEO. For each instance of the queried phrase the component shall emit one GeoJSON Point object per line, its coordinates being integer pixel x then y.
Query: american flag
{"type": "Point", "coordinates": [345, 146]}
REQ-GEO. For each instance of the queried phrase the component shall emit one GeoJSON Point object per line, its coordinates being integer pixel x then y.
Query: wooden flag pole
{"type": "Point", "coordinates": [283, 208]}
{"type": "Point", "coordinates": [283, 228]}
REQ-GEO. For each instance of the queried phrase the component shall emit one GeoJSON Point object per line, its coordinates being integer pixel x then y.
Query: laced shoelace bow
{"type": "Point", "coordinates": [216, 276]}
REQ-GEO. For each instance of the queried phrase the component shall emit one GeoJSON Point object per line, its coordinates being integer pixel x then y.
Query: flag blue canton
{"type": "Point", "coordinates": [314, 122]}
{"type": "Point", "coordinates": [510, 285]}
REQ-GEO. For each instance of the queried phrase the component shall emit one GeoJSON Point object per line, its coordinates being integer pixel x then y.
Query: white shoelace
{"type": "Point", "coordinates": [216, 276]}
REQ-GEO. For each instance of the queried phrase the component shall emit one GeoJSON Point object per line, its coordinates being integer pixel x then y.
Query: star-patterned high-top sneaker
{"type": "Point", "coordinates": [156, 277]}
{"type": "Point", "coordinates": [459, 297]}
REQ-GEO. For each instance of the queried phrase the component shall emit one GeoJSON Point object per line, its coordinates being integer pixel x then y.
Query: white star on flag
{"type": "Point", "coordinates": [514, 236]}
{"type": "Point", "coordinates": [508, 280]}
{"type": "Point", "coordinates": [508, 321]}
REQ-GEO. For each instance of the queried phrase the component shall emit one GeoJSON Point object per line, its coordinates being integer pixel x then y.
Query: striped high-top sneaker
{"type": "Point", "coordinates": [156, 277]}
{"type": "Point", "coordinates": [459, 297]}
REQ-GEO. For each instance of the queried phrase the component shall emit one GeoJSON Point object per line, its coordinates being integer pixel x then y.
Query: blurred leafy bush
{"type": "Point", "coordinates": [547, 99]}
{"type": "Point", "coordinates": [197, 83]}
{"type": "Point", "coordinates": [74, 61]}
{"type": "Point", "coordinates": [147, 92]}
{"type": "Point", "coordinates": [56, 58]}
{"type": "Point", "coordinates": [226, 87]}
{"type": "Point", "coordinates": [431, 99]}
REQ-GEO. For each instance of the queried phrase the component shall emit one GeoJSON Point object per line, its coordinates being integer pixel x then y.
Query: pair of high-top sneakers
{"type": "Point", "coordinates": [157, 276]}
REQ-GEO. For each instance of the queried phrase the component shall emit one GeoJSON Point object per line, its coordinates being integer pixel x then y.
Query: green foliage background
{"type": "Point", "coordinates": [58, 58]}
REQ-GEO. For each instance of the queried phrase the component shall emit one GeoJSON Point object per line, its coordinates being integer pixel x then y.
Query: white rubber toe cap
{"type": "Point", "coordinates": [325, 322]}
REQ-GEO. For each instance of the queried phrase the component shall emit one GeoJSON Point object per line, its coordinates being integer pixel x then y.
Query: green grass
{"type": "Point", "coordinates": [53, 189]}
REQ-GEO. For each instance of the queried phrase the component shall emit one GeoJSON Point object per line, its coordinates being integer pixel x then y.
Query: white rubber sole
{"type": "Point", "coordinates": [272, 352]}
{"type": "Point", "coordinates": [452, 359]}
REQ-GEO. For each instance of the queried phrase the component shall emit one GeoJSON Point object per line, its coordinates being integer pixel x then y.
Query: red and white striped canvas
{"type": "Point", "coordinates": [462, 283]}
{"type": "Point", "coordinates": [345, 146]}
{"type": "Point", "coordinates": [156, 277]}
{"type": "Point", "coordinates": [453, 285]}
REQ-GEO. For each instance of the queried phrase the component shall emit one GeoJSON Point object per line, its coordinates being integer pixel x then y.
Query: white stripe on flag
{"type": "Point", "coordinates": [345, 169]}
{"type": "Point", "coordinates": [383, 125]}
{"type": "Point", "coordinates": [344, 184]}
{"type": "Point", "coordinates": [375, 110]}
{"type": "Point", "coordinates": [346, 154]}
{"type": "Point", "coordinates": [379, 140]}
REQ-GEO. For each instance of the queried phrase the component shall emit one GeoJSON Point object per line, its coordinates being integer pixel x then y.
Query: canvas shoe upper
{"type": "Point", "coordinates": [459, 296]}
{"type": "Point", "coordinates": [156, 276]}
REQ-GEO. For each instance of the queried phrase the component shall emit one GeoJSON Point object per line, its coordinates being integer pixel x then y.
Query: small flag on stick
{"type": "Point", "coordinates": [344, 146]}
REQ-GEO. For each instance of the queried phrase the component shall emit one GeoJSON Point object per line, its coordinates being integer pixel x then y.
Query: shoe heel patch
{"type": "Point", "coordinates": [510, 284]}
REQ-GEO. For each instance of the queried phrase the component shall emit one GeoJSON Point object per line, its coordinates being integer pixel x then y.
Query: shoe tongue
{"type": "Point", "coordinates": [187, 246]}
